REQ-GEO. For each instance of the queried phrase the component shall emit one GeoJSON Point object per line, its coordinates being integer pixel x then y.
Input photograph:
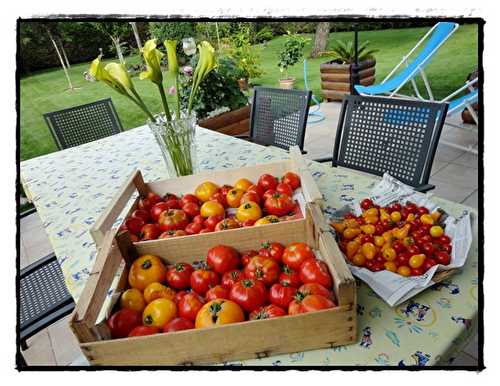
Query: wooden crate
{"type": "Point", "coordinates": [188, 184]}
{"type": "Point", "coordinates": [239, 341]}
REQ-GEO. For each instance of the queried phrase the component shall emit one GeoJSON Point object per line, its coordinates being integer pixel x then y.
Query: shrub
{"type": "Point", "coordinates": [176, 30]}
{"type": "Point", "coordinates": [291, 52]}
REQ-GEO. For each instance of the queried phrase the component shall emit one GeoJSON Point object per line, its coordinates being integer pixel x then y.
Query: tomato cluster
{"type": "Point", "coordinates": [227, 287]}
{"type": "Point", "coordinates": [215, 208]}
{"type": "Point", "coordinates": [405, 239]}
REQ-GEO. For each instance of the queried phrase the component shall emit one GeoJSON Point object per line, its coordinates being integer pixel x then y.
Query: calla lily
{"type": "Point", "coordinates": [100, 73]}
{"type": "Point", "coordinates": [152, 57]}
{"type": "Point", "coordinates": [206, 63]}
{"type": "Point", "coordinates": [120, 75]}
{"type": "Point", "coordinates": [171, 46]}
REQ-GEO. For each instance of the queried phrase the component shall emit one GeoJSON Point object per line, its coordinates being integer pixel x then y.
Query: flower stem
{"type": "Point", "coordinates": [178, 110]}
{"type": "Point", "coordinates": [165, 103]}
{"type": "Point", "coordinates": [142, 106]}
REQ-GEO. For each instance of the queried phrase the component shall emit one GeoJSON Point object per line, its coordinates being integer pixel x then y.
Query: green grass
{"type": "Point", "coordinates": [47, 91]}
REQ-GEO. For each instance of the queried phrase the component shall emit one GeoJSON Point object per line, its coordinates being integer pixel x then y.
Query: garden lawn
{"type": "Point", "coordinates": [47, 91]}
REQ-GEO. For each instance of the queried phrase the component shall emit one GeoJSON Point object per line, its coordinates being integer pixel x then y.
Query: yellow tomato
{"type": "Point", "coordinates": [211, 208]}
{"type": "Point", "coordinates": [372, 212]}
{"type": "Point", "coordinates": [351, 223]}
{"type": "Point", "coordinates": [401, 233]}
{"type": "Point", "coordinates": [146, 270]}
{"type": "Point", "coordinates": [368, 229]}
{"type": "Point", "coordinates": [351, 233]}
{"type": "Point", "coordinates": [427, 219]}
{"type": "Point", "coordinates": [436, 215]}
{"type": "Point", "coordinates": [389, 254]}
{"type": "Point", "coordinates": [249, 211]}
{"type": "Point", "coordinates": [416, 261]}
{"type": "Point", "coordinates": [372, 220]}
{"type": "Point", "coordinates": [391, 266]}
{"type": "Point", "coordinates": [352, 248]}
{"type": "Point", "coordinates": [133, 300]}
{"type": "Point", "coordinates": [388, 237]}
{"type": "Point", "coordinates": [270, 219]}
{"type": "Point", "coordinates": [410, 217]}
{"type": "Point", "coordinates": [339, 227]}
{"type": "Point", "coordinates": [243, 184]}
{"type": "Point", "coordinates": [217, 312]}
{"type": "Point", "coordinates": [358, 259]}
{"type": "Point", "coordinates": [368, 250]}
{"type": "Point", "coordinates": [408, 241]}
{"type": "Point", "coordinates": [384, 215]}
{"type": "Point", "coordinates": [379, 241]}
{"type": "Point", "coordinates": [205, 190]}
{"type": "Point", "coordinates": [156, 291]}
{"type": "Point", "coordinates": [404, 270]}
{"type": "Point", "coordinates": [159, 312]}
{"type": "Point", "coordinates": [233, 197]}
{"type": "Point", "coordinates": [436, 231]}
{"type": "Point", "coordinates": [395, 216]}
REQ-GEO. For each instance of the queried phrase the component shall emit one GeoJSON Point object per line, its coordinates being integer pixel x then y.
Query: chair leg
{"type": "Point", "coordinates": [20, 361]}
{"type": "Point", "coordinates": [24, 345]}
{"type": "Point", "coordinates": [424, 188]}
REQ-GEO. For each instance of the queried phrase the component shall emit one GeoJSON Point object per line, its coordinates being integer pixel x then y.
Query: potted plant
{"type": "Point", "coordinates": [337, 74]}
{"type": "Point", "coordinates": [289, 55]}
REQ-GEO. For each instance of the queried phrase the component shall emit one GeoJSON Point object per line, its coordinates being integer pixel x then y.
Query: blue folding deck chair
{"type": "Point", "coordinates": [393, 83]}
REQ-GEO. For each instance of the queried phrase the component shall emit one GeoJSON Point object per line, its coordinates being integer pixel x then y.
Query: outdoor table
{"type": "Point", "coordinates": [71, 188]}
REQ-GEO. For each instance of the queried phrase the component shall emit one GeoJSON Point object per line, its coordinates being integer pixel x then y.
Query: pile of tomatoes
{"type": "Point", "coordinates": [407, 240]}
{"type": "Point", "coordinates": [215, 208]}
{"type": "Point", "coordinates": [228, 287]}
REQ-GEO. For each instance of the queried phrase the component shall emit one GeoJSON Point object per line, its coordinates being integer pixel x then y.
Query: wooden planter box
{"type": "Point", "coordinates": [236, 122]}
{"type": "Point", "coordinates": [239, 341]}
{"type": "Point", "coordinates": [336, 79]}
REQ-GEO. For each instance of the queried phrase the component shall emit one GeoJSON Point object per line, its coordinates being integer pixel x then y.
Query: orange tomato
{"type": "Point", "coordinates": [372, 212]}
{"type": "Point", "coordinates": [233, 197]}
{"type": "Point", "coordinates": [133, 300]}
{"type": "Point", "coordinates": [159, 312]}
{"type": "Point", "coordinates": [391, 266]}
{"type": "Point", "coordinates": [351, 223]}
{"type": "Point", "coordinates": [205, 190]}
{"type": "Point", "coordinates": [243, 184]}
{"type": "Point", "coordinates": [339, 227]}
{"type": "Point", "coordinates": [436, 215]}
{"type": "Point", "coordinates": [211, 208]}
{"type": "Point", "coordinates": [368, 229]}
{"type": "Point", "coordinates": [404, 270]}
{"type": "Point", "coordinates": [368, 250]}
{"type": "Point", "coordinates": [270, 219]}
{"type": "Point", "coordinates": [379, 241]}
{"type": "Point", "coordinates": [389, 253]}
{"type": "Point", "coordinates": [249, 211]}
{"type": "Point", "coordinates": [436, 231]}
{"type": "Point", "coordinates": [217, 312]}
{"type": "Point", "coordinates": [395, 216]}
{"type": "Point", "coordinates": [352, 248]}
{"type": "Point", "coordinates": [358, 259]}
{"type": "Point", "coordinates": [156, 291]}
{"type": "Point", "coordinates": [427, 219]}
{"type": "Point", "coordinates": [351, 233]}
{"type": "Point", "coordinates": [372, 220]}
{"type": "Point", "coordinates": [145, 270]}
{"type": "Point", "coordinates": [416, 261]}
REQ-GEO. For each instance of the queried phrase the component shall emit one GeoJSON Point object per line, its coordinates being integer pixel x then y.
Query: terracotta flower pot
{"type": "Point", "coordinates": [243, 83]}
{"type": "Point", "coordinates": [287, 84]}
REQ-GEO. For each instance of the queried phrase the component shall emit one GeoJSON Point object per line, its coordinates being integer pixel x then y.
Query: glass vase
{"type": "Point", "coordinates": [176, 139]}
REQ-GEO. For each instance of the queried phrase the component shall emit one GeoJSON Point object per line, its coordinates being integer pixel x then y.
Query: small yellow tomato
{"type": "Point", "coordinates": [436, 231]}
{"type": "Point", "coordinates": [404, 270]}
{"type": "Point", "coordinates": [351, 223]}
{"type": "Point", "coordinates": [352, 248]}
{"type": "Point", "coordinates": [410, 217]}
{"type": "Point", "coordinates": [205, 190]}
{"type": "Point", "coordinates": [270, 219]}
{"type": "Point", "coordinates": [391, 266]}
{"type": "Point", "coordinates": [159, 312]}
{"type": "Point", "coordinates": [408, 241]}
{"type": "Point", "coordinates": [249, 211]}
{"type": "Point", "coordinates": [368, 229]}
{"type": "Point", "coordinates": [379, 241]}
{"type": "Point", "coordinates": [358, 259]}
{"type": "Point", "coordinates": [436, 215]}
{"type": "Point", "coordinates": [384, 215]}
{"type": "Point", "coordinates": [395, 216]}
{"type": "Point", "coordinates": [416, 261]}
{"type": "Point", "coordinates": [339, 227]}
{"type": "Point", "coordinates": [243, 184]}
{"type": "Point", "coordinates": [233, 197]}
{"type": "Point", "coordinates": [427, 219]}
{"type": "Point", "coordinates": [351, 233]}
{"type": "Point", "coordinates": [156, 291]}
{"type": "Point", "coordinates": [389, 253]}
{"type": "Point", "coordinates": [388, 236]}
{"type": "Point", "coordinates": [133, 300]}
{"type": "Point", "coordinates": [368, 250]}
{"type": "Point", "coordinates": [372, 212]}
{"type": "Point", "coordinates": [212, 208]}
{"type": "Point", "coordinates": [372, 220]}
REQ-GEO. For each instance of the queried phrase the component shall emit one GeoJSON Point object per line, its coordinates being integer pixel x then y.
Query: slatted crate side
{"type": "Point", "coordinates": [239, 341]}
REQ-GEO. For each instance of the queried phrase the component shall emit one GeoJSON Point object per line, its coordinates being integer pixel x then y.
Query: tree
{"type": "Point", "coordinates": [116, 31]}
{"type": "Point", "coordinates": [320, 38]}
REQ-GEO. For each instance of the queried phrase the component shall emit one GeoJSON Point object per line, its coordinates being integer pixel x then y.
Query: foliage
{"type": "Point", "coordinates": [172, 30]}
{"type": "Point", "coordinates": [116, 29]}
{"type": "Point", "coordinates": [291, 52]}
{"type": "Point", "coordinates": [246, 55]}
{"type": "Point", "coordinates": [344, 52]}
{"type": "Point", "coordinates": [218, 90]}
{"type": "Point", "coordinates": [263, 35]}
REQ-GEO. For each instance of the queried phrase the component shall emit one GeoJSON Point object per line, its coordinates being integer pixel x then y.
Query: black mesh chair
{"type": "Point", "coordinates": [81, 124]}
{"type": "Point", "coordinates": [279, 117]}
{"type": "Point", "coordinates": [387, 135]}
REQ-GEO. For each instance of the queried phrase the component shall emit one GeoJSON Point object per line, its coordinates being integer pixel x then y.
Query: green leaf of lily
{"type": "Point", "coordinates": [171, 46]}
{"type": "Point", "coordinates": [152, 57]}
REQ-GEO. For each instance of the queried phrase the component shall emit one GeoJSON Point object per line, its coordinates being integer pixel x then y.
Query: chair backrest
{"type": "Point", "coordinates": [279, 117]}
{"type": "Point", "coordinates": [388, 135]}
{"type": "Point", "coordinates": [81, 124]}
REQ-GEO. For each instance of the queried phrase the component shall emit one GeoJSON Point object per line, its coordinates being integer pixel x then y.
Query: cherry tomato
{"type": "Point", "coordinates": [422, 210]}
{"type": "Point", "coordinates": [173, 219]}
{"type": "Point", "coordinates": [315, 271]}
{"type": "Point", "coordinates": [178, 324]}
{"type": "Point", "coordinates": [145, 270]}
{"type": "Point", "coordinates": [267, 181]}
{"type": "Point", "coordinates": [249, 294]}
{"type": "Point", "coordinates": [223, 258]}
{"type": "Point", "coordinates": [150, 232]}
{"type": "Point", "coordinates": [202, 280]}
{"type": "Point", "coordinates": [267, 312]}
{"type": "Point", "coordinates": [159, 312]}
{"type": "Point", "coordinates": [289, 277]}
{"type": "Point", "coordinates": [212, 221]}
{"type": "Point", "coordinates": [187, 198]}
{"type": "Point", "coordinates": [403, 258]}
{"type": "Point", "coordinates": [428, 249]}
{"type": "Point", "coordinates": [367, 239]}
{"type": "Point", "coordinates": [417, 271]}
{"type": "Point", "coordinates": [249, 211]}
{"type": "Point", "coordinates": [193, 228]}
{"type": "Point", "coordinates": [389, 254]}
{"type": "Point", "coordinates": [291, 179]}
{"type": "Point", "coordinates": [273, 250]}
{"type": "Point", "coordinates": [398, 246]}
{"type": "Point", "coordinates": [191, 209]}
{"type": "Point", "coordinates": [247, 256]}
{"type": "Point", "coordinates": [231, 277]}
{"type": "Point", "coordinates": [295, 254]}
{"type": "Point", "coordinates": [446, 248]}
{"type": "Point", "coordinates": [217, 292]}
{"type": "Point", "coordinates": [416, 261]}
{"type": "Point", "coordinates": [413, 250]}
{"type": "Point", "coordinates": [205, 190]}
{"type": "Point", "coordinates": [444, 239]}
{"type": "Point", "coordinates": [428, 264]}
{"type": "Point", "coordinates": [281, 295]}
{"type": "Point", "coordinates": [442, 258]}
{"type": "Point", "coordinates": [411, 207]}
{"type": "Point", "coordinates": [394, 207]}
{"type": "Point", "coordinates": [218, 312]}
{"type": "Point", "coordinates": [263, 269]}
{"type": "Point", "coordinates": [189, 305]}
{"type": "Point", "coordinates": [309, 303]}
{"type": "Point", "coordinates": [436, 231]}
{"type": "Point", "coordinates": [366, 204]}
{"type": "Point", "coordinates": [134, 225]}
{"type": "Point", "coordinates": [179, 275]}
{"type": "Point", "coordinates": [143, 331]}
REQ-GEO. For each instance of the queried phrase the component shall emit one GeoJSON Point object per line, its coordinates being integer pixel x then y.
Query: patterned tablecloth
{"type": "Point", "coordinates": [71, 188]}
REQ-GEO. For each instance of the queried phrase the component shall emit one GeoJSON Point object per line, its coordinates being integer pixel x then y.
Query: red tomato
{"type": "Point", "coordinates": [263, 269]}
{"type": "Point", "coordinates": [170, 196]}
{"type": "Point", "coordinates": [428, 264]}
{"type": "Point", "coordinates": [267, 194]}
{"type": "Point", "coordinates": [144, 204]}
{"type": "Point", "coordinates": [366, 204]}
{"type": "Point", "coordinates": [295, 254]}
{"type": "Point", "coordinates": [153, 198]}
{"type": "Point", "coordinates": [428, 249]}
{"type": "Point", "coordinates": [150, 232]}
{"type": "Point", "coordinates": [442, 258]}
{"type": "Point", "coordinates": [289, 277]}
{"type": "Point", "coordinates": [178, 296]}
{"type": "Point", "coordinates": [267, 181]}
{"type": "Point", "coordinates": [225, 189]}
{"type": "Point", "coordinates": [199, 220]}
{"type": "Point", "coordinates": [403, 258]}
{"type": "Point", "coordinates": [227, 223]}
{"type": "Point", "coordinates": [413, 250]}
{"type": "Point", "coordinates": [178, 324]}
{"type": "Point", "coordinates": [223, 258]}
{"type": "Point", "coordinates": [217, 292]}
{"type": "Point", "coordinates": [379, 229]}
{"type": "Point", "coordinates": [206, 230]}
{"type": "Point", "coordinates": [267, 312]}
{"type": "Point", "coordinates": [444, 239]}
{"type": "Point", "coordinates": [173, 203]}
{"type": "Point", "coordinates": [202, 280]}
{"type": "Point", "coordinates": [248, 223]}
{"type": "Point", "coordinates": [249, 294]}
{"type": "Point", "coordinates": [189, 305]}
{"type": "Point", "coordinates": [309, 303]}
{"type": "Point", "coordinates": [179, 275]}
{"type": "Point", "coordinates": [422, 210]}
{"type": "Point", "coordinates": [188, 198]}
{"type": "Point", "coordinates": [315, 289]}
{"type": "Point", "coordinates": [220, 198]}
{"type": "Point", "coordinates": [279, 204]}
{"type": "Point", "coordinates": [157, 209]}
{"type": "Point", "coordinates": [250, 196]}
{"type": "Point", "coordinates": [291, 179]}
{"type": "Point", "coordinates": [134, 225]}
{"type": "Point", "coordinates": [315, 271]}
{"type": "Point", "coordinates": [231, 277]}
{"type": "Point", "coordinates": [144, 330]}
{"type": "Point", "coordinates": [446, 248]}
{"type": "Point", "coordinates": [411, 207]}
{"type": "Point", "coordinates": [212, 221]}
{"type": "Point", "coordinates": [122, 322]}
{"type": "Point", "coordinates": [169, 234]}
{"type": "Point", "coordinates": [398, 246]}
{"type": "Point", "coordinates": [273, 250]}
{"type": "Point", "coordinates": [247, 256]}
{"type": "Point", "coordinates": [142, 214]}
{"type": "Point", "coordinates": [173, 219]}
{"type": "Point", "coordinates": [193, 228]}
{"type": "Point", "coordinates": [256, 189]}
{"type": "Point", "coordinates": [191, 209]}
{"type": "Point", "coordinates": [284, 189]}
{"type": "Point", "coordinates": [281, 295]}
{"type": "Point", "coordinates": [417, 271]}
{"type": "Point", "coordinates": [378, 266]}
